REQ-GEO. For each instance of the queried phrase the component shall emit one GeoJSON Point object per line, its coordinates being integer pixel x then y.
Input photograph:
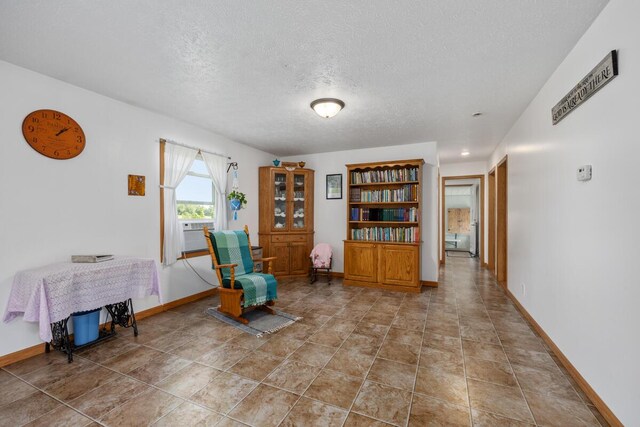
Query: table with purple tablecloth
{"type": "Point", "coordinates": [50, 294]}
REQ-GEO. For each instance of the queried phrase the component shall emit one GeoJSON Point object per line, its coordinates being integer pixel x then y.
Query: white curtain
{"type": "Point", "coordinates": [177, 162]}
{"type": "Point", "coordinates": [217, 167]}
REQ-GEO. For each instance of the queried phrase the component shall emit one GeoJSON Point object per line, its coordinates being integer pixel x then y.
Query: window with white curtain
{"type": "Point", "coordinates": [196, 198]}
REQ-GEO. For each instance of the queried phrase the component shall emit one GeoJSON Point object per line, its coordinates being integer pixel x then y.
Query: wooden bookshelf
{"type": "Point", "coordinates": [382, 246]}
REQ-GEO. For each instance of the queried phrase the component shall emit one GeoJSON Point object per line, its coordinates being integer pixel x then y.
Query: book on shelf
{"type": "Point", "coordinates": [386, 234]}
{"type": "Point", "coordinates": [384, 175]}
{"type": "Point", "coordinates": [91, 258]}
{"type": "Point", "coordinates": [407, 193]}
{"type": "Point", "coordinates": [385, 214]}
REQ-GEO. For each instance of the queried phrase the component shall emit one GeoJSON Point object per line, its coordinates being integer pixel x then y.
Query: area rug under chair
{"type": "Point", "coordinates": [260, 322]}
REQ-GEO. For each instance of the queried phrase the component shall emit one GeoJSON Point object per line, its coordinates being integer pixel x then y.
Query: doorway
{"type": "Point", "coordinates": [501, 222]}
{"type": "Point", "coordinates": [491, 222]}
{"type": "Point", "coordinates": [462, 217]}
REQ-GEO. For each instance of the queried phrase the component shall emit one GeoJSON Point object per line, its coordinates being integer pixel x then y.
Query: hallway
{"type": "Point", "coordinates": [455, 355]}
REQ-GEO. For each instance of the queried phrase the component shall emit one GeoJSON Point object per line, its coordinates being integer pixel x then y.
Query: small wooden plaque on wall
{"type": "Point", "coordinates": [136, 185]}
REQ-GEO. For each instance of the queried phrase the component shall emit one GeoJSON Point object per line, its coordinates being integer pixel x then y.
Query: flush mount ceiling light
{"type": "Point", "coordinates": [327, 107]}
{"type": "Point", "coordinates": [465, 153]}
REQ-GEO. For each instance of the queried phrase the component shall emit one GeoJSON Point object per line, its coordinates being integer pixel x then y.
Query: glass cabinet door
{"type": "Point", "coordinates": [299, 219]}
{"type": "Point", "coordinates": [280, 201]}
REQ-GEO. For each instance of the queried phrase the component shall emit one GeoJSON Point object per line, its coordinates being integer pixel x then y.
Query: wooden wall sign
{"type": "Point", "coordinates": [136, 185]}
{"type": "Point", "coordinates": [602, 74]}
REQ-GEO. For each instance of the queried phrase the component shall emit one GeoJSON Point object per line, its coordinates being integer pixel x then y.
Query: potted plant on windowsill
{"type": "Point", "coordinates": [237, 200]}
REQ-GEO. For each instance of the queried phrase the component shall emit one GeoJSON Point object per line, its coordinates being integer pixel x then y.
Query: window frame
{"type": "Point", "coordinates": [185, 255]}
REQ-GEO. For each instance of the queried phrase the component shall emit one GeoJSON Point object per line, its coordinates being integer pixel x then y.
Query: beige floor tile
{"type": "Point", "coordinates": [393, 374]}
{"type": "Point", "coordinates": [132, 359]}
{"type": "Point", "coordinates": [357, 420]}
{"type": "Point", "coordinates": [223, 357]}
{"type": "Point", "coordinates": [486, 351]}
{"type": "Point", "coordinates": [329, 337]}
{"type": "Point", "coordinates": [264, 406]}
{"type": "Point", "coordinates": [313, 354]}
{"type": "Point", "coordinates": [334, 388]}
{"type": "Point", "coordinates": [399, 352]}
{"type": "Point", "coordinates": [36, 362]}
{"type": "Point", "coordinates": [62, 416]}
{"type": "Point", "coordinates": [27, 409]}
{"type": "Point", "coordinates": [542, 381]}
{"type": "Point", "coordinates": [189, 414]}
{"type": "Point", "coordinates": [145, 408]}
{"type": "Point", "coordinates": [500, 400]}
{"type": "Point", "coordinates": [554, 411]}
{"type": "Point", "coordinates": [293, 376]}
{"type": "Point", "coordinates": [18, 389]}
{"type": "Point", "coordinates": [490, 371]}
{"type": "Point", "coordinates": [426, 411]}
{"type": "Point", "coordinates": [224, 392]}
{"type": "Point", "coordinates": [442, 385]}
{"type": "Point", "coordinates": [281, 346]}
{"type": "Point", "coordinates": [312, 413]}
{"type": "Point", "coordinates": [159, 368]}
{"type": "Point", "coordinates": [70, 387]}
{"type": "Point", "coordinates": [350, 362]}
{"type": "Point", "coordinates": [99, 401]}
{"type": "Point", "coordinates": [404, 336]}
{"type": "Point", "coordinates": [486, 419]}
{"type": "Point", "coordinates": [444, 360]}
{"type": "Point", "coordinates": [383, 403]}
{"type": "Point", "coordinates": [188, 380]}
{"type": "Point", "coordinates": [256, 365]}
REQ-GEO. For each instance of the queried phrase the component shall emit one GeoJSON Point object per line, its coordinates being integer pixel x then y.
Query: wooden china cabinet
{"type": "Point", "coordinates": [286, 218]}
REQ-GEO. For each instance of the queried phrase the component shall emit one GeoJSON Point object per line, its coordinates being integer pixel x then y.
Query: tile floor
{"type": "Point", "coordinates": [460, 354]}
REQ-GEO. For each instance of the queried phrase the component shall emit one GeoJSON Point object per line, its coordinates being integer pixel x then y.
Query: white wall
{"type": "Point", "coordinates": [471, 168]}
{"type": "Point", "coordinates": [565, 242]}
{"type": "Point", "coordinates": [330, 215]}
{"type": "Point", "coordinates": [51, 209]}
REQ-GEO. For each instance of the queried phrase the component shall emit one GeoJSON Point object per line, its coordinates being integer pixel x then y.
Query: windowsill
{"type": "Point", "coordinates": [194, 254]}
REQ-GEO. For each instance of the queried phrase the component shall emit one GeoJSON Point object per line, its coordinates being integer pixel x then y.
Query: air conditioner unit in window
{"type": "Point", "coordinates": [193, 237]}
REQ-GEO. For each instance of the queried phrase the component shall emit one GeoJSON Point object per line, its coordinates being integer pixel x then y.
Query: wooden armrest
{"type": "Point", "coordinates": [226, 265]}
{"type": "Point", "coordinates": [269, 262]}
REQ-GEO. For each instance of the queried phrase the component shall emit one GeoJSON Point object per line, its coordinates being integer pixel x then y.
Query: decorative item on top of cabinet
{"type": "Point", "coordinates": [382, 248]}
{"type": "Point", "coordinates": [286, 218]}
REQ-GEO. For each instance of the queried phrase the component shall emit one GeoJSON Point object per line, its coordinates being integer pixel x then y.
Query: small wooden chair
{"type": "Point", "coordinates": [317, 263]}
{"type": "Point", "coordinates": [232, 294]}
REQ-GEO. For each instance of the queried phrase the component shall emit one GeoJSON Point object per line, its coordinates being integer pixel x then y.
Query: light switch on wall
{"type": "Point", "coordinates": [584, 173]}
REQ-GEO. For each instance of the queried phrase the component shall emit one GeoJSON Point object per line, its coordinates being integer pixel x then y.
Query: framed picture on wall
{"type": "Point", "coordinates": [334, 186]}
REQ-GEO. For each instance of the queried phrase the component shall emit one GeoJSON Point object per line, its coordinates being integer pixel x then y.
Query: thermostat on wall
{"type": "Point", "coordinates": [584, 173]}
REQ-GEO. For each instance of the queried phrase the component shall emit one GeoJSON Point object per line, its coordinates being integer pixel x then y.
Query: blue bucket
{"type": "Point", "coordinates": [86, 325]}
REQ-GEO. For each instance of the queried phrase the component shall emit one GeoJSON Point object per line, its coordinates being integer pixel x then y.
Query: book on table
{"type": "Point", "coordinates": [91, 258]}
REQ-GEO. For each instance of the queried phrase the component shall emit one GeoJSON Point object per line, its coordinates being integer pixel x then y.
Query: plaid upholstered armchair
{"type": "Point", "coordinates": [241, 289]}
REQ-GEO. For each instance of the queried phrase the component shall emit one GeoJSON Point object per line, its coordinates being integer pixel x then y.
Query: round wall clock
{"type": "Point", "coordinates": [53, 134]}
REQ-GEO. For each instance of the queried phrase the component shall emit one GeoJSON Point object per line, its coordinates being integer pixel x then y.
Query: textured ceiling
{"type": "Point", "coordinates": [408, 71]}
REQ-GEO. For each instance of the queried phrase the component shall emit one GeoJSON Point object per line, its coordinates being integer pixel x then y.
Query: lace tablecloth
{"type": "Point", "coordinates": [51, 293]}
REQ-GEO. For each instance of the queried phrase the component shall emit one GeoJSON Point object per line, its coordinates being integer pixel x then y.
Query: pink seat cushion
{"type": "Point", "coordinates": [321, 255]}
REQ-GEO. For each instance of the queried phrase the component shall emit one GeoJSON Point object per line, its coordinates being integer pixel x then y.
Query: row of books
{"type": "Point", "coordinates": [385, 175]}
{"type": "Point", "coordinates": [407, 193]}
{"type": "Point", "coordinates": [384, 214]}
{"type": "Point", "coordinates": [386, 234]}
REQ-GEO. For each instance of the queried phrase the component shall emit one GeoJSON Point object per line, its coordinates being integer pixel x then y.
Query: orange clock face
{"type": "Point", "coordinates": [53, 134]}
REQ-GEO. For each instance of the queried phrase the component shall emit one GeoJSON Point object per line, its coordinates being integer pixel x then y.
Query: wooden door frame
{"type": "Point", "coordinates": [501, 277]}
{"type": "Point", "coordinates": [491, 221]}
{"type": "Point", "coordinates": [443, 181]}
